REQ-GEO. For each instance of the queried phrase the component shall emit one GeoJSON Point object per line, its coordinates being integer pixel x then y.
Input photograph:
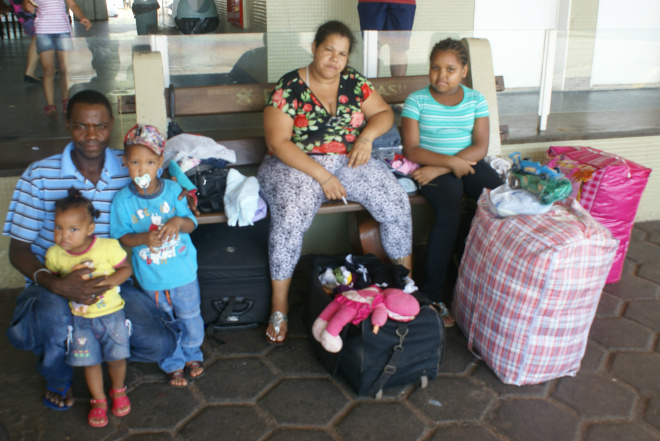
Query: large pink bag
{"type": "Point", "coordinates": [528, 289]}
{"type": "Point", "coordinates": [607, 186]}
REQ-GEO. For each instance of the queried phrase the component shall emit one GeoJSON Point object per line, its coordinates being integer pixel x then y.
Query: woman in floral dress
{"type": "Point", "coordinates": [320, 122]}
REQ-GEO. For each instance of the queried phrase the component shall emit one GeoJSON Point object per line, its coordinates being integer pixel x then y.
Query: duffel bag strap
{"type": "Point", "coordinates": [376, 389]}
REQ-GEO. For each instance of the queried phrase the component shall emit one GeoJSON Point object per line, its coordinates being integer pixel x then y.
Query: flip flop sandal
{"type": "Point", "coordinates": [191, 366]}
{"type": "Point", "coordinates": [50, 109]}
{"type": "Point", "coordinates": [98, 412]}
{"type": "Point", "coordinates": [276, 319]}
{"type": "Point", "coordinates": [62, 393]}
{"type": "Point", "coordinates": [176, 375]}
{"type": "Point", "coordinates": [444, 313]}
{"type": "Point", "coordinates": [120, 402]}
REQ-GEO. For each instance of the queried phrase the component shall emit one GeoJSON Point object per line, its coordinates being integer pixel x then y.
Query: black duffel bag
{"type": "Point", "coordinates": [400, 354]}
{"type": "Point", "coordinates": [211, 183]}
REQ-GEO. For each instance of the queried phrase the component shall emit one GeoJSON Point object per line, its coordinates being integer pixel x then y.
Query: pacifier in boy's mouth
{"type": "Point", "coordinates": [142, 181]}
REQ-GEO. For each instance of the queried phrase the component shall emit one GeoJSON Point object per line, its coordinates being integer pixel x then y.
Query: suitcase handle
{"type": "Point", "coordinates": [376, 389]}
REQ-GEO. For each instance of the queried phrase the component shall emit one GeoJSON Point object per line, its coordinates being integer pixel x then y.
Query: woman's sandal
{"type": "Point", "coordinates": [193, 366]}
{"type": "Point", "coordinates": [444, 313]}
{"type": "Point", "coordinates": [177, 375]}
{"type": "Point", "coordinates": [65, 104]}
{"type": "Point", "coordinates": [98, 413]}
{"type": "Point", "coordinates": [276, 319]}
{"type": "Point", "coordinates": [119, 403]}
{"type": "Point", "coordinates": [50, 109]}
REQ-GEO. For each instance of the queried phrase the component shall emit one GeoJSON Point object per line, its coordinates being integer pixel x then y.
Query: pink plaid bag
{"type": "Point", "coordinates": [528, 289]}
{"type": "Point", "coordinates": [608, 187]}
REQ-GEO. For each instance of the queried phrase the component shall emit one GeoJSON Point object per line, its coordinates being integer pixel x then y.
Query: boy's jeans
{"type": "Point", "coordinates": [40, 321]}
{"type": "Point", "coordinates": [184, 307]}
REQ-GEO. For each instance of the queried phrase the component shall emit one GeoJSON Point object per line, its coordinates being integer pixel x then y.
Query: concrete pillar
{"type": "Point", "coordinates": [150, 106]}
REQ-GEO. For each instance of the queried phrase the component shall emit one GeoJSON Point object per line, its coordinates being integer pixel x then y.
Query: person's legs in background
{"type": "Point", "coordinates": [47, 58]}
{"type": "Point", "coordinates": [400, 18]}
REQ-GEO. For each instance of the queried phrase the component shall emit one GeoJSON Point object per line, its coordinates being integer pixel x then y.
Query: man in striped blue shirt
{"type": "Point", "coordinates": [40, 321]}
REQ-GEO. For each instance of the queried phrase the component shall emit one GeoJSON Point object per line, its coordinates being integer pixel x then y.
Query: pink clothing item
{"type": "Point", "coordinates": [52, 17]}
{"type": "Point", "coordinates": [403, 165]}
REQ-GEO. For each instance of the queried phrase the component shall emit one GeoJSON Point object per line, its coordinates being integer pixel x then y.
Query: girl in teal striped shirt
{"type": "Point", "coordinates": [445, 129]}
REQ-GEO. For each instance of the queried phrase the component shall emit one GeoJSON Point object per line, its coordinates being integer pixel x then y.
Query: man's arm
{"type": "Point", "coordinates": [72, 287]}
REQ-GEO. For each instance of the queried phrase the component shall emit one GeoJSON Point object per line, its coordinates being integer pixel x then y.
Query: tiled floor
{"type": "Point", "coordinates": [255, 391]}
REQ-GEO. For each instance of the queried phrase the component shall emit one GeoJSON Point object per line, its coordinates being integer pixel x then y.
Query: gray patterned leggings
{"type": "Point", "coordinates": [294, 197]}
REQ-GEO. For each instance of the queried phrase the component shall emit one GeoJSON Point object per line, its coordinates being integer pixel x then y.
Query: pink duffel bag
{"type": "Point", "coordinates": [607, 186]}
{"type": "Point", "coordinates": [528, 289]}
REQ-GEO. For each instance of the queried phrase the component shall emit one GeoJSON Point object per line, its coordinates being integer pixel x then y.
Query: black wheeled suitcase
{"type": "Point", "coordinates": [233, 274]}
{"type": "Point", "coordinates": [400, 354]}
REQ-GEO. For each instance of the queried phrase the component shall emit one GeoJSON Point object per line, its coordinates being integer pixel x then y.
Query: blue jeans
{"type": "Point", "coordinates": [40, 321]}
{"type": "Point", "coordinates": [54, 42]}
{"type": "Point", "coordinates": [95, 340]}
{"type": "Point", "coordinates": [183, 305]}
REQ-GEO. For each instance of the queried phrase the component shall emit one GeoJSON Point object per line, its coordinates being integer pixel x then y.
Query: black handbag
{"type": "Point", "coordinates": [211, 183]}
{"type": "Point", "coordinates": [400, 354]}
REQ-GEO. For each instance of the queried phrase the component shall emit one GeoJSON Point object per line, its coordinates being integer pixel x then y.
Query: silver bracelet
{"type": "Point", "coordinates": [34, 276]}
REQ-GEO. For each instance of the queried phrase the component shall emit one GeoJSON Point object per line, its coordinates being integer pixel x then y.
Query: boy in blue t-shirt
{"type": "Point", "coordinates": [148, 216]}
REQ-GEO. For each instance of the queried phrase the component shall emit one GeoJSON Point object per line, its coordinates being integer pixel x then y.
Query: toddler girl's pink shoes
{"type": "Point", "coordinates": [121, 406]}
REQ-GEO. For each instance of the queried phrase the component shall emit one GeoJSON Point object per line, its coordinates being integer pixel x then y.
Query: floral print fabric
{"type": "Point", "coordinates": [315, 130]}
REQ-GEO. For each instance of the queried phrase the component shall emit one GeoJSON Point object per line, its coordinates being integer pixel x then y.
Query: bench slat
{"type": "Point", "coordinates": [327, 208]}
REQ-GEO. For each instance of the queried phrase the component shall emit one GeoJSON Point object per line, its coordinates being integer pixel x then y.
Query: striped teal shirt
{"type": "Point", "coordinates": [445, 129]}
{"type": "Point", "coordinates": [31, 212]}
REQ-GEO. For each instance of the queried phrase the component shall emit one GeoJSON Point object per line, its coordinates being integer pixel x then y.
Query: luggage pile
{"type": "Point", "coordinates": [400, 353]}
{"type": "Point", "coordinates": [528, 289]}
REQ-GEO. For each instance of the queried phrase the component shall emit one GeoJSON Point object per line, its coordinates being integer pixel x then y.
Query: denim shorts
{"type": "Point", "coordinates": [54, 42]}
{"type": "Point", "coordinates": [94, 340]}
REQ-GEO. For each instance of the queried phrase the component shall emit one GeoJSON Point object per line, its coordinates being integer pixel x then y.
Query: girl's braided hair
{"type": "Point", "coordinates": [449, 44]}
{"type": "Point", "coordinates": [75, 199]}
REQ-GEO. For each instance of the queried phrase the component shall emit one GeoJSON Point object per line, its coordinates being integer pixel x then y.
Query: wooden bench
{"type": "Point", "coordinates": [245, 98]}
{"type": "Point", "coordinates": [230, 99]}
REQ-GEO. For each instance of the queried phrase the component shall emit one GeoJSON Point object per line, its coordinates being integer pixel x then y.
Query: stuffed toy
{"type": "Point", "coordinates": [348, 306]}
{"type": "Point", "coordinates": [395, 304]}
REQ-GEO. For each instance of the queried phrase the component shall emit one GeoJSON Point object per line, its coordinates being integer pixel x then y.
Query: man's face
{"type": "Point", "coordinates": [90, 126]}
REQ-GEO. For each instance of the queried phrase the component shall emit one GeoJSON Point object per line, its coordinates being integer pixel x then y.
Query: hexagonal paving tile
{"type": "Point", "coordinates": [638, 370]}
{"type": "Point", "coordinates": [643, 252]}
{"type": "Point", "coordinates": [594, 355]}
{"type": "Point", "coordinates": [619, 432]}
{"type": "Point", "coordinates": [595, 395]}
{"type": "Point", "coordinates": [609, 306]}
{"type": "Point", "coordinates": [463, 433]}
{"type": "Point", "coordinates": [452, 399]}
{"type": "Point", "coordinates": [633, 288]}
{"type": "Point", "coordinates": [296, 359]}
{"type": "Point", "coordinates": [158, 436]}
{"type": "Point", "coordinates": [232, 343]}
{"type": "Point", "coordinates": [638, 235]}
{"type": "Point", "coordinates": [652, 414]}
{"type": "Point", "coordinates": [71, 425]}
{"type": "Point", "coordinates": [650, 226]}
{"type": "Point", "coordinates": [157, 406]}
{"type": "Point", "coordinates": [619, 333]}
{"type": "Point", "coordinates": [646, 313]}
{"type": "Point", "coordinates": [654, 237]}
{"type": "Point", "coordinates": [234, 380]}
{"type": "Point", "coordinates": [629, 268]}
{"type": "Point", "coordinates": [534, 420]}
{"type": "Point", "coordinates": [650, 271]}
{"type": "Point", "coordinates": [236, 423]}
{"type": "Point", "coordinates": [377, 421]}
{"type": "Point", "coordinates": [487, 376]}
{"type": "Point", "coordinates": [304, 401]}
{"type": "Point", "coordinates": [457, 357]}
{"type": "Point", "coordinates": [300, 435]}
